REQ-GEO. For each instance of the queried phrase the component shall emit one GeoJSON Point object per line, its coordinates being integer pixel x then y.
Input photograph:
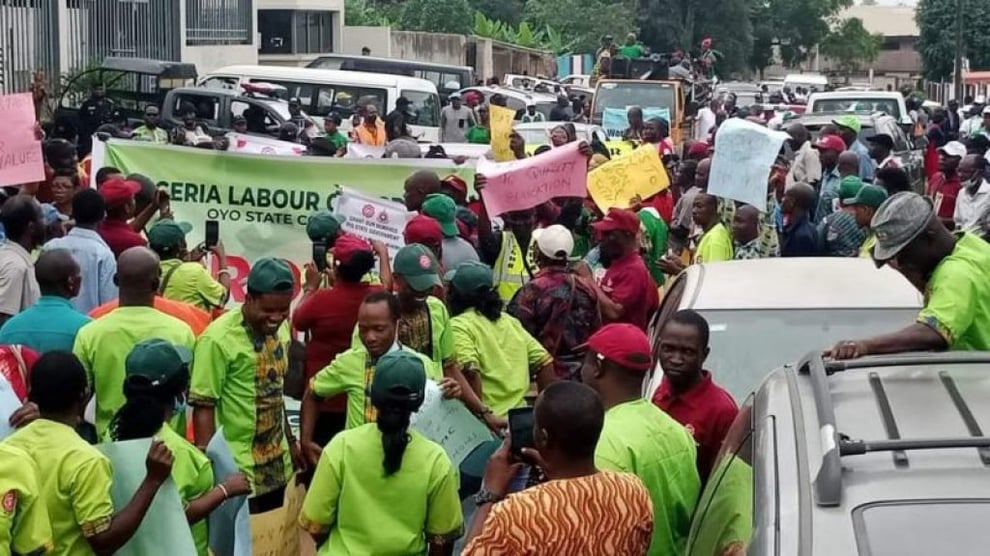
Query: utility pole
{"type": "Point", "coordinates": [958, 77]}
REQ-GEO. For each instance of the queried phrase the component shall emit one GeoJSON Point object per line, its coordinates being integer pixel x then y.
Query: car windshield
{"type": "Point", "coordinates": [853, 104]}
{"type": "Point", "coordinates": [535, 136]}
{"type": "Point", "coordinates": [748, 344]}
{"type": "Point", "coordinates": [425, 106]}
{"type": "Point", "coordinates": [636, 93]}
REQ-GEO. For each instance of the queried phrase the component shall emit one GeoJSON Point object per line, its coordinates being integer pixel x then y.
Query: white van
{"type": "Point", "coordinates": [810, 81]}
{"type": "Point", "coordinates": [326, 91]}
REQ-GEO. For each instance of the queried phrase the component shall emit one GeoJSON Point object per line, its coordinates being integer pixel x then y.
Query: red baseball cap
{"type": "Point", "coordinates": [348, 245]}
{"type": "Point", "coordinates": [423, 229]}
{"type": "Point", "coordinates": [118, 191]}
{"type": "Point", "coordinates": [830, 143]}
{"type": "Point", "coordinates": [618, 219]}
{"type": "Point", "coordinates": [624, 344]}
{"type": "Point", "coordinates": [454, 181]}
{"type": "Point", "coordinates": [698, 148]}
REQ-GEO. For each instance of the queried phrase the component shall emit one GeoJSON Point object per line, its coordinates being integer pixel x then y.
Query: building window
{"type": "Point", "coordinates": [214, 22]}
{"type": "Point", "coordinates": [295, 31]}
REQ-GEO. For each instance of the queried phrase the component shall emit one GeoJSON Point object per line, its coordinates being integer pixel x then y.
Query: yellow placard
{"type": "Point", "coordinates": [619, 147]}
{"type": "Point", "coordinates": [501, 126]}
{"type": "Point", "coordinates": [618, 181]}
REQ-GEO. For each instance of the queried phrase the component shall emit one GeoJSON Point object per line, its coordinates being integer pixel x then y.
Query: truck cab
{"type": "Point", "coordinates": [614, 97]}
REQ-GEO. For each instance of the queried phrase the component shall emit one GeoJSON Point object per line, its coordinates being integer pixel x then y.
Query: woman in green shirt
{"type": "Point", "coordinates": [155, 384]}
{"type": "Point", "coordinates": [383, 488]}
{"type": "Point", "coordinates": [480, 133]}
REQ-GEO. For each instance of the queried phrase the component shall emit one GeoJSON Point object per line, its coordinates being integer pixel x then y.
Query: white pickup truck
{"type": "Point", "coordinates": [890, 103]}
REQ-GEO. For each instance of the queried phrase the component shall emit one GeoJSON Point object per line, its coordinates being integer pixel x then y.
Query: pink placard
{"type": "Point", "coordinates": [20, 151]}
{"type": "Point", "coordinates": [523, 184]}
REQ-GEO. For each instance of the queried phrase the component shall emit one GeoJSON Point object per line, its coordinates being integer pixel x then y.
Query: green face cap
{"type": "Point", "coordinates": [168, 233]}
{"type": "Point", "coordinates": [157, 360]}
{"type": "Point", "coordinates": [472, 276]}
{"type": "Point", "coordinates": [271, 275]}
{"type": "Point", "coordinates": [417, 266]}
{"type": "Point", "coordinates": [869, 195]}
{"type": "Point", "coordinates": [849, 122]}
{"type": "Point", "coordinates": [324, 226]}
{"type": "Point", "coordinates": [442, 208]}
{"type": "Point", "coordinates": [400, 379]}
{"type": "Point", "coordinates": [849, 187]}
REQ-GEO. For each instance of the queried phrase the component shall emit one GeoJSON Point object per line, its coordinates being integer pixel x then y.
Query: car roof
{"type": "Point", "coordinates": [397, 61]}
{"type": "Point", "coordinates": [328, 76]}
{"type": "Point", "coordinates": [792, 283]}
{"type": "Point", "coordinates": [900, 398]}
{"type": "Point", "coordinates": [855, 94]}
{"type": "Point", "coordinates": [815, 119]}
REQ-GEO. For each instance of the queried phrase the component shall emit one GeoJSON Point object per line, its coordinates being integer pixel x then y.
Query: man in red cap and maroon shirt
{"type": "Point", "coordinates": [687, 392]}
{"type": "Point", "coordinates": [627, 292]}
{"type": "Point", "coordinates": [116, 230]}
{"type": "Point", "coordinates": [425, 230]}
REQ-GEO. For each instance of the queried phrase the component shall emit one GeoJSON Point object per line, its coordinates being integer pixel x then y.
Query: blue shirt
{"type": "Point", "coordinates": [50, 324]}
{"type": "Point", "coordinates": [799, 239]}
{"type": "Point", "coordinates": [829, 192]}
{"type": "Point", "coordinates": [866, 165]}
{"type": "Point", "coordinates": [97, 265]}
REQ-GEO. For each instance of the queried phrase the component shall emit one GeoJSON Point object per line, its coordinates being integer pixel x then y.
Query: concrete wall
{"type": "Point", "coordinates": [438, 48]}
{"type": "Point", "coordinates": [378, 39]}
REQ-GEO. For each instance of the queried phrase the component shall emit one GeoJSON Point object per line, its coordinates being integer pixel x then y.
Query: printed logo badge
{"type": "Point", "coordinates": [368, 210]}
{"type": "Point", "coordinates": [9, 502]}
{"type": "Point", "coordinates": [424, 262]}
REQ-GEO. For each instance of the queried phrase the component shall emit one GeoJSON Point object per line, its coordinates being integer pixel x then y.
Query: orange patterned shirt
{"type": "Point", "coordinates": [605, 513]}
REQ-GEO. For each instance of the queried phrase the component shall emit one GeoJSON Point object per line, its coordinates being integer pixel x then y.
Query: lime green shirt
{"type": "Point", "coordinates": [351, 373]}
{"type": "Point", "coordinates": [242, 378]}
{"type": "Point", "coordinates": [24, 525]}
{"type": "Point", "coordinates": [104, 344]}
{"type": "Point", "coordinates": [441, 340]}
{"type": "Point", "coordinates": [502, 352]}
{"type": "Point", "coordinates": [192, 474]}
{"type": "Point", "coordinates": [366, 512]}
{"type": "Point", "coordinates": [192, 283]}
{"type": "Point", "coordinates": [715, 245]}
{"type": "Point", "coordinates": [866, 251]}
{"type": "Point", "coordinates": [479, 135]}
{"type": "Point", "coordinates": [75, 483]}
{"type": "Point", "coordinates": [639, 438]}
{"type": "Point", "coordinates": [957, 296]}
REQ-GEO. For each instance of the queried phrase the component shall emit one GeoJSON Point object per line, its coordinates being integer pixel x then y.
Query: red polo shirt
{"type": "Point", "coordinates": [628, 283]}
{"type": "Point", "coordinates": [119, 236]}
{"type": "Point", "coordinates": [706, 410]}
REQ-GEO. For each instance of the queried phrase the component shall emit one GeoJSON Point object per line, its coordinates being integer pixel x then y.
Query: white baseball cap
{"type": "Point", "coordinates": [555, 242]}
{"type": "Point", "coordinates": [986, 110]}
{"type": "Point", "coordinates": [953, 148]}
{"type": "Point", "coordinates": [980, 99]}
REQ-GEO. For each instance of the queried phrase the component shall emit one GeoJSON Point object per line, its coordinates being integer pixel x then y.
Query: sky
{"type": "Point", "coordinates": [894, 2]}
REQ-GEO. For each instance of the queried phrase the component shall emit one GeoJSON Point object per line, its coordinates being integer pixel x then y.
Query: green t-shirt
{"type": "Point", "coordinates": [957, 296]}
{"type": "Point", "coordinates": [192, 474]}
{"type": "Point", "coordinates": [502, 352]}
{"type": "Point", "coordinates": [104, 344]}
{"type": "Point", "coordinates": [631, 51]}
{"type": "Point", "coordinates": [24, 528]}
{"type": "Point", "coordinates": [478, 134]}
{"type": "Point", "coordinates": [366, 512]}
{"type": "Point", "coordinates": [441, 340]}
{"type": "Point", "coordinates": [192, 283]}
{"type": "Point", "coordinates": [351, 373]}
{"type": "Point", "coordinates": [726, 526]}
{"type": "Point", "coordinates": [715, 245]}
{"type": "Point", "coordinates": [639, 438]}
{"type": "Point", "coordinates": [338, 140]}
{"type": "Point", "coordinates": [75, 483]}
{"type": "Point", "coordinates": [654, 241]}
{"type": "Point", "coordinates": [242, 378]}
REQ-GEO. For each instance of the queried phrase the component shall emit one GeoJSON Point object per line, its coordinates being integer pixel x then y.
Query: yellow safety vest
{"type": "Point", "coordinates": [510, 272]}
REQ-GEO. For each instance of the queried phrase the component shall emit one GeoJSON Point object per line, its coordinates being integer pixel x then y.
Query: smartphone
{"type": "Point", "coordinates": [521, 430]}
{"type": "Point", "coordinates": [212, 233]}
{"type": "Point", "coordinates": [320, 255]}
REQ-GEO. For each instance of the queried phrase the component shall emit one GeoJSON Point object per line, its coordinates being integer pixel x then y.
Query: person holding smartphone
{"type": "Point", "coordinates": [184, 278]}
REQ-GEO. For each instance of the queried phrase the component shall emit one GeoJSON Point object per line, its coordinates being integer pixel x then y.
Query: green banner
{"type": "Point", "coordinates": [261, 201]}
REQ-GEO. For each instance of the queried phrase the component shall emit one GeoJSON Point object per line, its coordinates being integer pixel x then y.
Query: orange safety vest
{"type": "Point", "coordinates": [374, 138]}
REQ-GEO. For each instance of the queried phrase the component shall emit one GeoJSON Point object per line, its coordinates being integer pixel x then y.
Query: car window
{"type": "Point", "coordinates": [631, 93]}
{"type": "Point", "coordinates": [259, 120]}
{"type": "Point", "coordinates": [221, 82]}
{"type": "Point", "coordinates": [207, 106]}
{"type": "Point", "coordinates": [922, 527]}
{"type": "Point", "coordinates": [669, 305]}
{"type": "Point", "coordinates": [723, 519]}
{"type": "Point", "coordinates": [425, 108]}
{"type": "Point", "coordinates": [348, 98]}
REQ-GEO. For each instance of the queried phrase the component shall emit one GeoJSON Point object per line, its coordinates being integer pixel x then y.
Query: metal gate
{"type": "Point", "coordinates": [29, 42]}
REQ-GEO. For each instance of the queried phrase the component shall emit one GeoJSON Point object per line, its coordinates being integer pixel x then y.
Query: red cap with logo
{"type": "Point", "coordinates": [423, 229]}
{"type": "Point", "coordinates": [624, 344]}
{"type": "Point", "coordinates": [348, 245]}
{"type": "Point", "coordinates": [830, 143]}
{"type": "Point", "coordinates": [618, 219]}
{"type": "Point", "coordinates": [117, 191]}
{"type": "Point", "coordinates": [455, 182]}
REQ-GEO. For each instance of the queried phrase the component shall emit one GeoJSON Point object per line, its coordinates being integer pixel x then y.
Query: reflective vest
{"type": "Point", "coordinates": [365, 136]}
{"type": "Point", "coordinates": [510, 271]}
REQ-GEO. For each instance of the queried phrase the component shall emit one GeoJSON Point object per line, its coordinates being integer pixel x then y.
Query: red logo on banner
{"type": "Point", "coordinates": [368, 211]}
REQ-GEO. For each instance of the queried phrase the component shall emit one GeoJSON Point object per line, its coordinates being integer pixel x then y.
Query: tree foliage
{"type": "Point", "coordinates": [668, 25]}
{"type": "Point", "coordinates": [437, 16]}
{"type": "Point", "coordinates": [796, 26]}
{"type": "Point", "coordinates": [583, 21]}
{"type": "Point", "coordinates": [937, 44]}
{"type": "Point", "coordinates": [850, 44]}
{"type": "Point", "coordinates": [509, 12]}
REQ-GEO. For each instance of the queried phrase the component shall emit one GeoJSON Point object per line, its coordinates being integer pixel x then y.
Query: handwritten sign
{"type": "Point", "coordinates": [616, 182]}
{"type": "Point", "coordinates": [449, 424]}
{"type": "Point", "coordinates": [165, 524]}
{"type": "Point", "coordinates": [276, 532]}
{"type": "Point", "coordinates": [20, 150]}
{"type": "Point", "coordinates": [501, 122]}
{"type": "Point", "coordinates": [230, 523]}
{"type": "Point", "coordinates": [523, 184]}
{"type": "Point", "coordinates": [373, 218]}
{"type": "Point", "coordinates": [616, 120]}
{"type": "Point", "coordinates": [744, 153]}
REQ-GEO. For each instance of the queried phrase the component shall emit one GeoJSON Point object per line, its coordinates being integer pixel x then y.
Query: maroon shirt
{"type": "Point", "coordinates": [119, 236]}
{"type": "Point", "coordinates": [329, 317]}
{"type": "Point", "coordinates": [706, 410]}
{"type": "Point", "coordinates": [628, 283]}
{"type": "Point", "coordinates": [943, 192]}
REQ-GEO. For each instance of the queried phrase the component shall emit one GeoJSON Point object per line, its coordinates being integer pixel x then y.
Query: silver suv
{"type": "Point", "coordinates": [877, 456]}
